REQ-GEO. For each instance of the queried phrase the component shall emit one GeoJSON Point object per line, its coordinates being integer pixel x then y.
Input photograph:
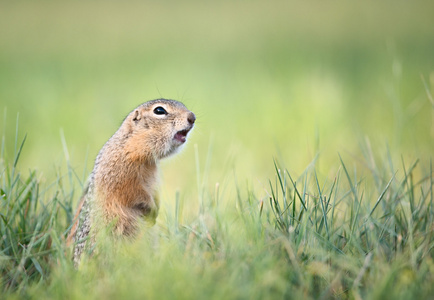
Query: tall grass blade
{"type": "Point", "coordinates": [296, 190]}
{"type": "Point", "coordinates": [353, 189]}
{"type": "Point", "coordinates": [321, 199]}
{"type": "Point", "coordinates": [381, 195]}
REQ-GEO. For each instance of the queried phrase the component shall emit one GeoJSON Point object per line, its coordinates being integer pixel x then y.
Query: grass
{"type": "Point", "coordinates": [308, 84]}
{"type": "Point", "coordinates": [345, 237]}
{"type": "Point", "coordinates": [244, 69]}
{"type": "Point", "coordinates": [32, 224]}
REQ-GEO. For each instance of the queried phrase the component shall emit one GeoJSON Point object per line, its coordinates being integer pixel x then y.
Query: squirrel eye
{"type": "Point", "coordinates": [160, 111]}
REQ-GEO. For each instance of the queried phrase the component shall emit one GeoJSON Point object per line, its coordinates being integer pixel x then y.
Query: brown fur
{"type": "Point", "coordinates": [122, 187]}
{"type": "Point", "coordinates": [71, 235]}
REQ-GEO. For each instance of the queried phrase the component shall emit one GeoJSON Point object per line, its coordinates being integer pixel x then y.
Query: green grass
{"type": "Point", "coordinates": [262, 78]}
{"type": "Point", "coordinates": [34, 220]}
{"type": "Point", "coordinates": [308, 175]}
{"type": "Point", "coordinates": [351, 236]}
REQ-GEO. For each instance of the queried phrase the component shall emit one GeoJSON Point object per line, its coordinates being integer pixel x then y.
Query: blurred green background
{"type": "Point", "coordinates": [266, 79]}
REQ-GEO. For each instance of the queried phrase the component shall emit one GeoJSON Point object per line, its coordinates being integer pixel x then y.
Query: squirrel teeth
{"type": "Point", "coordinates": [181, 135]}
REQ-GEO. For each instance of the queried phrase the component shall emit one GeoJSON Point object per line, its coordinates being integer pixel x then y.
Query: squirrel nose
{"type": "Point", "coordinates": [191, 118]}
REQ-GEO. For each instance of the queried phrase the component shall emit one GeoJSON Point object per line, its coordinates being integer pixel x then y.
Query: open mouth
{"type": "Point", "coordinates": [181, 135]}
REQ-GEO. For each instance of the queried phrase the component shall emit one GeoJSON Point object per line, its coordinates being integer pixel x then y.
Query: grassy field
{"type": "Point", "coordinates": [309, 173]}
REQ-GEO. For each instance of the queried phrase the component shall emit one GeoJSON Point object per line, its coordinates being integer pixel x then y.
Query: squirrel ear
{"type": "Point", "coordinates": [137, 115]}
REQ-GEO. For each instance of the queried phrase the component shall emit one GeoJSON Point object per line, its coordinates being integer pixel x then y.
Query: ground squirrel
{"type": "Point", "coordinates": [122, 186]}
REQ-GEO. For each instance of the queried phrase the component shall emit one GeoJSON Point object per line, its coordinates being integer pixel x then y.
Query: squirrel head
{"type": "Point", "coordinates": [157, 129]}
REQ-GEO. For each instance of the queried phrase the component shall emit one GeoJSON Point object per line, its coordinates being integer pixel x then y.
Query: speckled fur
{"type": "Point", "coordinates": [122, 185]}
